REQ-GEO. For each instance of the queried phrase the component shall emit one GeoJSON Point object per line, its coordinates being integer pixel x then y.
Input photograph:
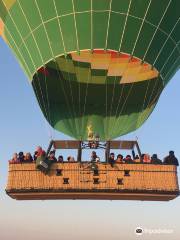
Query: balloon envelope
{"type": "Point", "coordinates": [96, 66]}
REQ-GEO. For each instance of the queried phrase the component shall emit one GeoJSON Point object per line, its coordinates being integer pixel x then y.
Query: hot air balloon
{"type": "Point", "coordinates": [101, 64]}
{"type": "Point", "coordinates": [97, 67]}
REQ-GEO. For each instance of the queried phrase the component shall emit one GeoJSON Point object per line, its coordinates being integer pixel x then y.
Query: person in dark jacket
{"type": "Point", "coordinates": [128, 159]}
{"type": "Point", "coordinates": [52, 157]}
{"type": "Point", "coordinates": [60, 159]}
{"type": "Point", "coordinates": [21, 157]}
{"type": "Point", "coordinates": [94, 157]}
{"type": "Point", "coordinates": [171, 159]}
{"type": "Point", "coordinates": [155, 159]}
{"type": "Point", "coordinates": [111, 159]}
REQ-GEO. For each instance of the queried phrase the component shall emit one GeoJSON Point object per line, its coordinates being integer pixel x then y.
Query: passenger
{"type": "Point", "coordinates": [155, 159]}
{"type": "Point", "coordinates": [28, 158]}
{"type": "Point", "coordinates": [111, 159]}
{"type": "Point", "coordinates": [119, 159]}
{"type": "Point", "coordinates": [35, 155]}
{"type": "Point", "coordinates": [137, 159]}
{"type": "Point", "coordinates": [39, 152]}
{"type": "Point", "coordinates": [128, 159]}
{"type": "Point", "coordinates": [21, 157]}
{"type": "Point", "coordinates": [60, 159]}
{"type": "Point", "coordinates": [52, 157]}
{"type": "Point", "coordinates": [14, 159]}
{"type": "Point", "coordinates": [171, 159]}
{"type": "Point", "coordinates": [146, 158]}
{"type": "Point", "coordinates": [70, 159]}
{"type": "Point", "coordinates": [94, 157]}
{"type": "Point", "coordinates": [73, 159]}
{"type": "Point", "coordinates": [142, 157]}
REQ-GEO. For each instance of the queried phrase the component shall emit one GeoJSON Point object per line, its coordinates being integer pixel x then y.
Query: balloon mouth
{"type": "Point", "coordinates": [106, 89]}
{"type": "Point", "coordinates": [127, 68]}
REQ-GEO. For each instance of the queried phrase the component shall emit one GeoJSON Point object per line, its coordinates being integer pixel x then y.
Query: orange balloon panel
{"type": "Point", "coordinates": [130, 69]}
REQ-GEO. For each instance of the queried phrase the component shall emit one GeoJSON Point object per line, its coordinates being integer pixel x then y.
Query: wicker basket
{"type": "Point", "coordinates": [81, 181]}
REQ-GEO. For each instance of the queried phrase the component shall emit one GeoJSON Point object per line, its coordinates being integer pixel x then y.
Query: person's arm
{"type": "Point", "coordinates": [177, 163]}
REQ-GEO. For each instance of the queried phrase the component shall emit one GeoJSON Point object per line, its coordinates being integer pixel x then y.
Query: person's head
{"type": "Point", "coordinates": [137, 157]}
{"type": "Point", "coordinates": [28, 156]}
{"type": "Point", "coordinates": [111, 155]}
{"type": "Point", "coordinates": [146, 158]}
{"type": "Point", "coordinates": [52, 154]}
{"type": "Point", "coordinates": [39, 149]}
{"type": "Point", "coordinates": [171, 153]}
{"type": "Point", "coordinates": [120, 157]}
{"type": "Point", "coordinates": [72, 159]}
{"type": "Point", "coordinates": [69, 158]}
{"type": "Point", "coordinates": [21, 154]}
{"type": "Point", "coordinates": [154, 156]}
{"type": "Point", "coordinates": [60, 158]}
{"type": "Point", "coordinates": [93, 154]}
{"type": "Point", "coordinates": [128, 157]}
{"type": "Point", "coordinates": [15, 156]}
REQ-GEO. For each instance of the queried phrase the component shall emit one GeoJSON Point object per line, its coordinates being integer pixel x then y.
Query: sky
{"type": "Point", "coordinates": [23, 127]}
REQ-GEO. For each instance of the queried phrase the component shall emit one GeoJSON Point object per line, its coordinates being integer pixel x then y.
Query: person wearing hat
{"type": "Point", "coordinates": [171, 159]}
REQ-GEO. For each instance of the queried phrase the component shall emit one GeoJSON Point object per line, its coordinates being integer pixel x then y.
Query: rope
{"type": "Point", "coordinates": [38, 52]}
{"type": "Point", "coordinates": [143, 20]}
{"type": "Point", "coordinates": [87, 85]}
{"type": "Point", "coordinates": [53, 56]}
{"type": "Point", "coordinates": [134, 48]}
{"type": "Point", "coordinates": [156, 29]}
{"type": "Point", "coordinates": [65, 53]}
{"type": "Point", "coordinates": [91, 25]}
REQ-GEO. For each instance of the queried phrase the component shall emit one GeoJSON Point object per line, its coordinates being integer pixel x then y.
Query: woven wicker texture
{"type": "Point", "coordinates": [80, 176]}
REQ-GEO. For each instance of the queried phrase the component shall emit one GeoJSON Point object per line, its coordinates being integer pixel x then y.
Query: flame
{"type": "Point", "coordinates": [90, 132]}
